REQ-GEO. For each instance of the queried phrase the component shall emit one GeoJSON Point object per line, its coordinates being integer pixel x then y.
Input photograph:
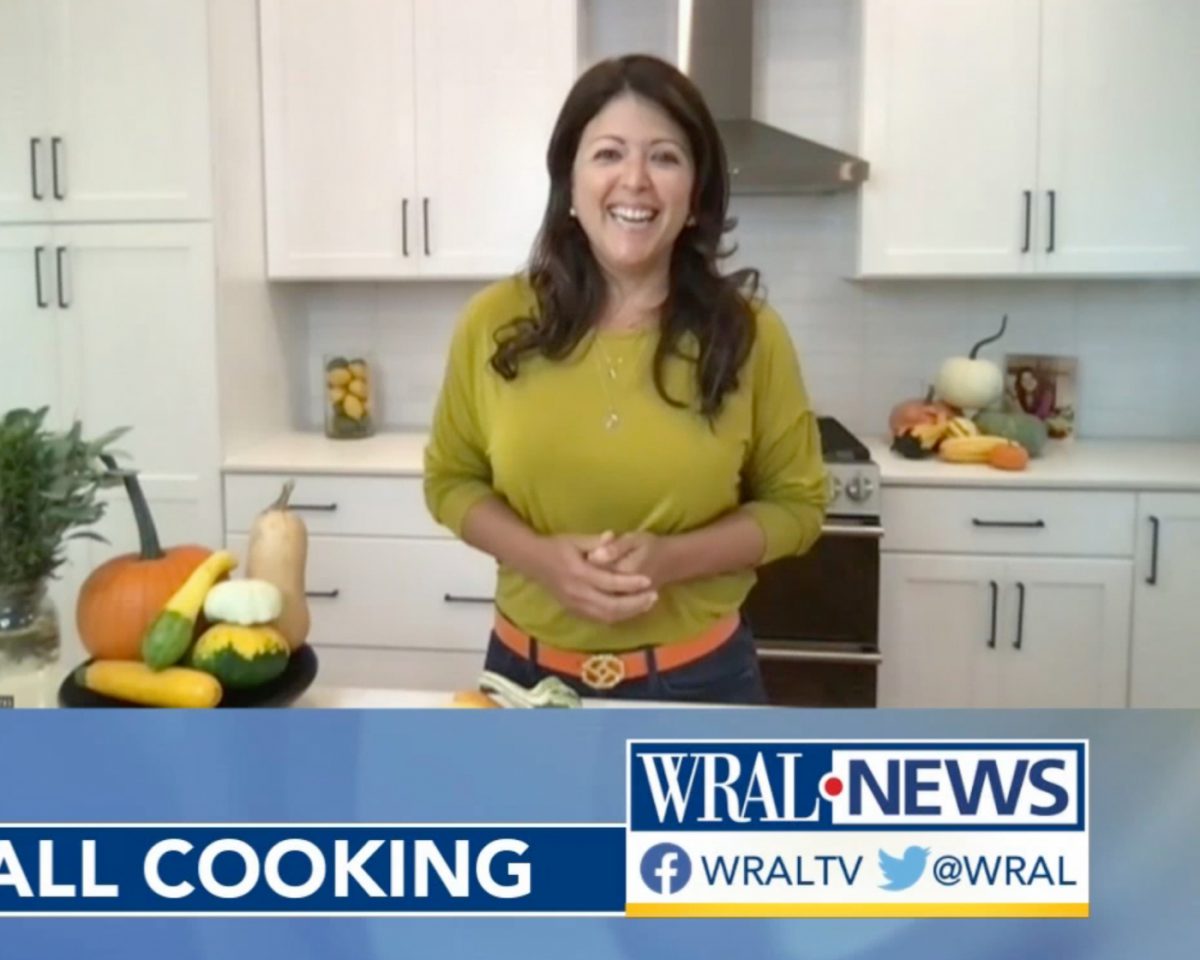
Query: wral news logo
{"type": "Point", "coordinates": [857, 828]}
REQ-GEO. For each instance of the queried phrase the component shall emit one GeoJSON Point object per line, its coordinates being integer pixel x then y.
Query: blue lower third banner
{"type": "Point", "coordinates": [313, 870]}
{"type": "Point", "coordinates": [713, 828]}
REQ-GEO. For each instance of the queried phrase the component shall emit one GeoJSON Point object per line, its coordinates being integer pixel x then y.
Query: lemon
{"type": "Point", "coordinates": [352, 407]}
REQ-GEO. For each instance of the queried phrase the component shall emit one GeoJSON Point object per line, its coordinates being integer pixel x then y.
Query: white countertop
{"type": "Point", "coordinates": [362, 698]}
{"type": "Point", "coordinates": [395, 453]}
{"type": "Point", "coordinates": [1073, 464]}
{"type": "Point", "coordinates": [1078, 464]}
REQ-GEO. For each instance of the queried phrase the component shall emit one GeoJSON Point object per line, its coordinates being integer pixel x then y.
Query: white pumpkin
{"type": "Point", "coordinates": [246, 602]}
{"type": "Point", "coordinates": [969, 383]}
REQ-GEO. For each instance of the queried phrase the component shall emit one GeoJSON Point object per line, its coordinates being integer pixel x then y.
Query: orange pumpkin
{"type": "Point", "coordinates": [122, 596]}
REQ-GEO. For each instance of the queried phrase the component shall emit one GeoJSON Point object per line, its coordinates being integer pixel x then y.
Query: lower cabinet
{"type": "Point", "coordinates": [989, 631]}
{"type": "Point", "coordinates": [391, 605]}
{"type": "Point", "coordinates": [1165, 654]}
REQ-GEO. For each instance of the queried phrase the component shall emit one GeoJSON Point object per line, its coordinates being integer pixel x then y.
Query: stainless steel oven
{"type": "Point", "coordinates": [816, 617]}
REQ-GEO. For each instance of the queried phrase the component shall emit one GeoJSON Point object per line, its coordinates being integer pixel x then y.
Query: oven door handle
{"type": "Point", "coordinates": [819, 656]}
{"type": "Point", "coordinates": [851, 530]}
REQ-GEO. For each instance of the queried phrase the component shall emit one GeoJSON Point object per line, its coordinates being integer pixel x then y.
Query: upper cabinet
{"type": "Point", "coordinates": [407, 138]}
{"type": "Point", "coordinates": [1030, 137]}
{"type": "Point", "coordinates": [105, 116]}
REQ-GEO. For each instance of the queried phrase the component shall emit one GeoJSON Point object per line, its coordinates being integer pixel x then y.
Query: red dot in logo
{"type": "Point", "coordinates": [832, 786]}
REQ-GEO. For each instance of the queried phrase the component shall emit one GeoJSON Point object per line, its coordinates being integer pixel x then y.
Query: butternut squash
{"type": "Point", "coordinates": [278, 554]}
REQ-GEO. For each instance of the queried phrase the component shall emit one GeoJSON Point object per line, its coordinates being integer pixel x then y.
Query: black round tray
{"type": "Point", "coordinates": [284, 690]}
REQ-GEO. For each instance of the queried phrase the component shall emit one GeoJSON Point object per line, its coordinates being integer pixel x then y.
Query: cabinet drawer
{"type": "Point", "coordinates": [378, 506]}
{"type": "Point", "coordinates": [1063, 522]}
{"type": "Point", "coordinates": [373, 668]}
{"type": "Point", "coordinates": [416, 594]}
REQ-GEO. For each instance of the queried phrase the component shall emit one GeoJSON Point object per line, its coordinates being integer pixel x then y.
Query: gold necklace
{"type": "Point", "coordinates": [609, 371]}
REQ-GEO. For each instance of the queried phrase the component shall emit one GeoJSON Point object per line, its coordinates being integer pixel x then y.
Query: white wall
{"type": "Point", "coordinates": [863, 345]}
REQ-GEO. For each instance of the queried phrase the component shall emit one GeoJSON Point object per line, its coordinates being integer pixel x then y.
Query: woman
{"type": "Point", "coordinates": [625, 429]}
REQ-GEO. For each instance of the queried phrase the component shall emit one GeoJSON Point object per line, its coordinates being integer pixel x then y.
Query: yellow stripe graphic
{"type": "Point", "coordinates": [1027, 910]}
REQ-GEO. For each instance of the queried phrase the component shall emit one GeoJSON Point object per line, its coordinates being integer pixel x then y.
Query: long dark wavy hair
{"type": "Point", "coordinates": [570, 288]}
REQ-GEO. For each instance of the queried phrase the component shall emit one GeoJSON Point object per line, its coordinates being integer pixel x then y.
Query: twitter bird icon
{"type": "Point", "coordinates": [902, 872]}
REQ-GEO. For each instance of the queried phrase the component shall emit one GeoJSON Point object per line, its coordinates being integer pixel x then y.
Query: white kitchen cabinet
{"type": "Point", "coordinates": [105, 115]}
{"type": "Point", "coordinates": [949, 125]}
{"type": "Point", "coordinates": [25, 111]}
{"type": "Point", "coordinates": [1119, 139]}
{"type": "Point", "coordinates": [29, 330]}
{"type": "Point", "coordinates": [126, 339]}
{"type": "Point", "coordinates": [1030, 137]}
{"type": "Point", "coordinates": [406, 138]}
{"type": "Point", "coordinates": [1000, 632]}
{"type": "Point", "coordinates": [1165, 659]}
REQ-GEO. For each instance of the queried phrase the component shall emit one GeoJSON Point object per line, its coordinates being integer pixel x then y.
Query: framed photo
{"type": "Point", "coordinates": [1045, 386]}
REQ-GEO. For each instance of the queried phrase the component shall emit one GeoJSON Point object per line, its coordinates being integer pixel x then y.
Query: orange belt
{"type": "Point", "coordinates": [603, 671]}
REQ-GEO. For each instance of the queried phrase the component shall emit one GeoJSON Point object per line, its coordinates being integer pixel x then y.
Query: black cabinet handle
{"type": "Point", "coordinates": [1028, 211]}
{"type": "Point", "coordinates": [425, 221]}
{"type": "Point", "coordinates": [1020, 615]}
{"type": "Point", "coordinates": [34, 144]}
{"type": "Point", "coordinates": [457, 598]}
{"type": "Point", "coordinates": [995, 588]}
{"type": "Point", "coordinates": [1153, 578]}
{"type": "Point", "coordinates": [315, 507]}
{"type": "Point", "coordinates": [326, 594]}
{"type": "Point", "coordinates": [42, 302]}
{"type": "Point", "coordinates": [1050, 245]}
{"type": "Point", "coordinates": [404, 226]}
{"type": "Point", "coordinates": [60, 254]}
{"type": "Point", "coordinates": [1017, 524]}
{"type": "Point", "coordinates": [55, 144]}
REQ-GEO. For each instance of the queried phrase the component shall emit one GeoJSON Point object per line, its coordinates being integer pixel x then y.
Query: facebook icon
{"type": "Point", "coordinates": [666, 868]}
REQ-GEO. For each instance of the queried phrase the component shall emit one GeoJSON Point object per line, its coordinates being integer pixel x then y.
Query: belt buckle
{"type": "Point", "coordinates": [602, 671]}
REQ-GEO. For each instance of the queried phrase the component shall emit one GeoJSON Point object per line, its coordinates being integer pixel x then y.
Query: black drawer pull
{"type": "Point", "coordinates": [1014, 524]}
{"type": "Point", "coordinates": [458, 598]}
{"type": "Point", "coordinates": [995, 588]}
{"type": "Point", "coordinates": [1152, 580]}
{"type": "Point", "coordinates": [324, 594]}
{"type": "Point", "coordinates": [320, 507]}
{"type": "Point", "coordinates": [1020, 616]}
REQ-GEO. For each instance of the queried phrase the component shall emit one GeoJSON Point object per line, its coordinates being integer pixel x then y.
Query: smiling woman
{"type": "Point", "coordinates": [624, 427]}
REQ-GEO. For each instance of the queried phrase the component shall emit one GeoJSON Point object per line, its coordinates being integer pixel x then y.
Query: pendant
{"type": "Point", "coordinates": [612, 421]}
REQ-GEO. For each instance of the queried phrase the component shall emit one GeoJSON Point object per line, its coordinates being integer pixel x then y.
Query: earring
{"type": "Point", "coordinates": [572, 212]}
{"type": "Point", "coordinates": [691, 221]}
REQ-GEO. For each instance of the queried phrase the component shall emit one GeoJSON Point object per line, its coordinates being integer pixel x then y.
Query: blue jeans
{"type": "Point", "coordinates": [730, 674]}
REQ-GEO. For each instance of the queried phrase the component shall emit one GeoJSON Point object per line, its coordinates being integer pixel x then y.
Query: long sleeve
{"type": "Point", "coordinates": [457, 471]}
{"type": "Point", "coordinates": [784, 477]}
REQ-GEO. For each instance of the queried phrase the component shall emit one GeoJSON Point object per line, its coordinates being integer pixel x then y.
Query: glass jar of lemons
{"type": "Point", "coordinates": [349, 398]}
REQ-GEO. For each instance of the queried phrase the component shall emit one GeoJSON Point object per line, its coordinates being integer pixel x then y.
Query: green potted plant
{"type": "Point", "coordinates": [49, 494]}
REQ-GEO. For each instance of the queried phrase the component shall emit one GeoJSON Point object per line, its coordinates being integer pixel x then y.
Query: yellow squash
{"type": "Point", "coordinates": [135, 682]}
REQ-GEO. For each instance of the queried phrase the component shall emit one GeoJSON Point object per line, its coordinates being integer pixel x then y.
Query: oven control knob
{"type": "Point", "coordinates": [835, 487]}
{"type": "Point", "coordinates": [860, 489]}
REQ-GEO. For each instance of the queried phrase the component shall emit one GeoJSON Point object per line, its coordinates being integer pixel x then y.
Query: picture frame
{"type": "Point", "coordinates": [1045, 386]}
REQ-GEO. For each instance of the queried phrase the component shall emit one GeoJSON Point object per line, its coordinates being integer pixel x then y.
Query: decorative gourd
{"type": "Point", "coordinates": [243, 601]}
{"type": "Point", "coordinates": [241, 656]}
{"type": "Point", "coordinates": [137, 683]}
{"type": "Point", "coordinates": [1009, 456]}
{"type": "Point", "coordinates": [914, 412]}
{"type": "Point", "coordinates": [1024, 428]}
{"type": "Point", "coordinates": [969, 383]}
{"type": "Point", "coordinates": [278, 553]}
{"type": "Point", "coordinates": [122, 596]}
{"type": "Point", "coordinates": [171, 632]}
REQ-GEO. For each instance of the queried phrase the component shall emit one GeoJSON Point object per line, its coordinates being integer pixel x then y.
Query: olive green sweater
{"type": "Point", "coordinates": [543, 443]}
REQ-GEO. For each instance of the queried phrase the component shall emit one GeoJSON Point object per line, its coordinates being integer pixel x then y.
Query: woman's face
{"type": "Point", "coordinates": [631, 185]}
{"type": "Point", "coordinates": [1028, 380]}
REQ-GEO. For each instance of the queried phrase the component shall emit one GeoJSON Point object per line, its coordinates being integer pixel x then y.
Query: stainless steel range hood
{"type": "Point", "coordinates": [715, 48]}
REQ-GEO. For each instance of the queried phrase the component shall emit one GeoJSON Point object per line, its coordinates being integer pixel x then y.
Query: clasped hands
{"type": "Point", "coordinates": [606, 578]}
